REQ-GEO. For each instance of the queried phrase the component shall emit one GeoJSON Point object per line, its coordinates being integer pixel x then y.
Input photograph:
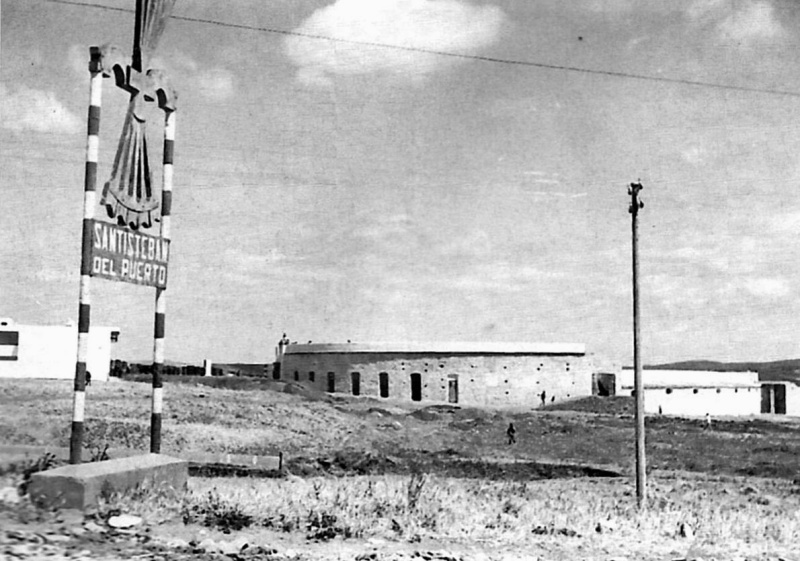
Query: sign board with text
{"type": "Point", "coordinates": [120, 254]}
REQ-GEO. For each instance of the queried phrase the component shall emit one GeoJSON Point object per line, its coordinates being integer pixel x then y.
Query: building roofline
{"type": "Point", "coordinates": [439, 348]}
{"type": "Point", "coordinates": [706, 386]}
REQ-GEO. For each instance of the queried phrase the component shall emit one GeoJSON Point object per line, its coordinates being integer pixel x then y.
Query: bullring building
{"type": "Point", "coordinates": [477, 374]}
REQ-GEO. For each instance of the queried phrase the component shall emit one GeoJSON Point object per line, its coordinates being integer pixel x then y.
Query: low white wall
{"type": "Point", "coordinates": [691, 402]}
{"type": "Point", "coordinates": [50, 351]}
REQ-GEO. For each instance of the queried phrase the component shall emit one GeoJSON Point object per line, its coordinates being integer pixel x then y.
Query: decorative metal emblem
{"type": "Point", "coordinates": [128, 195]}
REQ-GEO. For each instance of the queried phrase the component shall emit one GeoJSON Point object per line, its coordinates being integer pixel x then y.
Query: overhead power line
{"type": "Point", "coordinates": [497, 60]}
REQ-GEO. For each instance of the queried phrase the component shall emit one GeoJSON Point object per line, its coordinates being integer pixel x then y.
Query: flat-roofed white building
{"type": "Point", "coordinates": [696, 392]}
{"type": "Point", "coordinates": [50, 351]}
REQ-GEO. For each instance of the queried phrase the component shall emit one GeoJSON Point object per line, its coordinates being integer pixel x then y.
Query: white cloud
{"type": "Point", "coordinates": [27, 109]}
{"type": "Point", "coordinates": [701, 10]}
{"type": "Point", "coordinates": [745, 23]}
{"type": "Point", "coordinates": [751, 23]}
{"type": "Point", "coordinates": [78, 61]}
{"type": "Point", "coordinates": [434, 25]}
{"type": "Point", "coordinates": [694, 154]}
{"type": "Point", "coordinates": [785, 223]}
{"type": "Point", "coordinates": [386, 227]}
{"type": "Point", "coordinates": [216, 84]}
{"type": "Point", "coordinates": [501, 277]}
{"type": "Point", "coordinates": [767, 287]}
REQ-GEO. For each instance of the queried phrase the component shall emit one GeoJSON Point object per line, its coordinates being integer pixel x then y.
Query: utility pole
{"type": "Point", "coordinates": [641, 481]}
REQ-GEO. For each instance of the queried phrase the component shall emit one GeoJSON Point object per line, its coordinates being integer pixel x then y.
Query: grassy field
{"type": "Point", "coordinates": [384, 468]}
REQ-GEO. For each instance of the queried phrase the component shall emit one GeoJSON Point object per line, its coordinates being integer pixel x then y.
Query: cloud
{"type": "Point", "coordinates": [694, 154]}
{"type": "Point", "coordinates": [746, 24]}
{"type": "Point", "coordinates": [433, 25]}
{"type": "Point", "coordinates": [387, 227]}
{"type": "Point", "coordinates": [501, 276]}
{"type": "Point", "coordinates": [27, 109]}
{"type": "Point", "coordinates": [767, 287]}
{"type": "Point", "coordinates": [751, 23]}
{"type": "Point", "coordinates": [216, 84]}
{"type": "Point", "coordinates": [701, 10]}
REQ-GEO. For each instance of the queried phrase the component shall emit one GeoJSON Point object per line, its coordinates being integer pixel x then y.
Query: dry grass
{"type": "Point", "coordinates": [730, 516]}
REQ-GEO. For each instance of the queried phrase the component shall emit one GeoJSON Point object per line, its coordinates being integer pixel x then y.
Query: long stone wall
{"type": "Point", "coordinates": [485, 379]}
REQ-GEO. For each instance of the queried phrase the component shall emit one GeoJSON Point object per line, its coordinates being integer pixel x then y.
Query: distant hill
{"type": "Point", "coordinates": [767, 371]}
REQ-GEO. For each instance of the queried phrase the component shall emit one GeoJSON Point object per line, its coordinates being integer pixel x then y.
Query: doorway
{"type": "Point", "coordinates": [452, 388]}
{"type": "Point", "coordinates": [383, 379]}
{"type": "Point", "coordinates": [331, 382]}
{"type": "Point", "coordinates": [355, 383]}
{"type": "Point", "coordinates": [416, 387]}
{"type": "Point", "coordinates": [604, 384]}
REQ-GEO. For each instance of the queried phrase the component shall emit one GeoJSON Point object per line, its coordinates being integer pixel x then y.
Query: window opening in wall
{"type": "Point", "coordinates": [355, 383]}
{"type": "Point", "coordinates": [331, 382]}
{"type": "Point", "coordinates": [416, 386]}
{"type": "Point", "coordinates": [311, 377]}
{"type": "Point", "coordinates": [9, 345]}
{"type": "Point", "coordinates": [719, 390]}
{"type": "Point", "coordinates": [695, 390]}
{"type": "Point", "coordinates": [452, 388]}
{"type": "Point", "coordinates": [383, 382]}
{"type": "Point", "coordinates": [669, 391]}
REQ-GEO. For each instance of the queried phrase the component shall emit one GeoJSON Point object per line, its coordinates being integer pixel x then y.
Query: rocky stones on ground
{"type": "Point", "coordinates": [93, 527]}
{"type": "Point", "coordinates": [9, 495]}
{"type": "Point", "coordinates": [124, 521]}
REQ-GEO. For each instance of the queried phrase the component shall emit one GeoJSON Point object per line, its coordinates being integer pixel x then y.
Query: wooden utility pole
{"type": "Point", "coordinates": [641, 480]}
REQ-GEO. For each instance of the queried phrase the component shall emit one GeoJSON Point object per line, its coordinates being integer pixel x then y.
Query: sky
{"type": "Point", "coordinates": [426, 170]}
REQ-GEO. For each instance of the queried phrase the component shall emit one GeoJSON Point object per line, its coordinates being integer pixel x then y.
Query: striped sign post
{"type": "Point", "coordinates": [84, 298]}
{"type": "Point", "coordinates": [121, 252]}
{"type": "Point", "coordinates": [161, 302]}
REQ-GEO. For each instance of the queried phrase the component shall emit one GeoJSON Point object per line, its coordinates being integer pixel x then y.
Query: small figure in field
{"type": "Point", "coordinates": [512, 434]}
{"type": "Point", "coordinates": [708, 421]}
{"type": "Point", "coordinates": [88, 378]}
{"type": "Point", "coordinates": [544, 398]}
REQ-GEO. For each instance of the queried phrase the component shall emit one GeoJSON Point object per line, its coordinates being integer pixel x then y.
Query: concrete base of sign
{"type": "Point", "coordinates": [82, 485]}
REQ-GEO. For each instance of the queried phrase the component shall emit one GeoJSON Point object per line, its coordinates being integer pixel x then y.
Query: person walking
{"type": "Point", "coordinates": [511, 432]}
{"type": "Point", "coordinates": [544, 398]}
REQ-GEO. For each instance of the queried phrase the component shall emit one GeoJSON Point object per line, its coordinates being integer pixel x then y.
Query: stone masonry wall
{"type": "Point", "coordinates": [501, 380]}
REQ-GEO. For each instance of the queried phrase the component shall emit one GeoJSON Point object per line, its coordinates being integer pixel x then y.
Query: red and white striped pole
{"type": "Point", "coordinates": [84, 299]}
{"type": "Point", "coordinates": [161, 297]}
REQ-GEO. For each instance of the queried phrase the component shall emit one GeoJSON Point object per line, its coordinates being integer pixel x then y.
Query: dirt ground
{"type": "Point", "coordinates": [334, 437]}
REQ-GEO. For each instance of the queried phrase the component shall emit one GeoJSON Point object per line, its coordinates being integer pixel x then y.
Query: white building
{"type": "Point", "coordinates": [50, 351]}
{"type": "Point", "coordinates": [696, 392]}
